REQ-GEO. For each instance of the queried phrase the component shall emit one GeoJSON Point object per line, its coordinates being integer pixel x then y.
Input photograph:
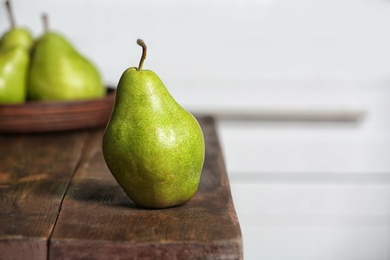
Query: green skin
{"type": "Point", "coordinates": [59, 72]}
{"type": "Point", "coordinates": [14, 62]}
{"type": "Point", "coordinates": [13, 75]}
{"type": "Point", "coordinates": [152, 146]}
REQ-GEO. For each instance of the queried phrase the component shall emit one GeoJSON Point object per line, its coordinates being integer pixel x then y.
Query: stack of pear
{"type": "Point", "coordinates": [153, 147]}
{"type": "Point", "coordinates": [59, 72]}
{"type": "Point", "coordinates": [15, 45]}
{"type": "Point", "coordinates": [47, 69]}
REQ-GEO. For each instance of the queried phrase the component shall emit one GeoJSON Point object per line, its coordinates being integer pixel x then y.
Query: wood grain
{"type": "Point", "coordinates": [98, 221]}
{"type": "Point", "coordinates": [35, 171]}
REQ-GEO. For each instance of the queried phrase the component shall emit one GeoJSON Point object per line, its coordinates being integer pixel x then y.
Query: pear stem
{"type": "Point", "coordinates": [11, 16]}
{"type": "Point", "coordinates": [45, 21]}
{"type": "Point", "coordinates": [143, 57]}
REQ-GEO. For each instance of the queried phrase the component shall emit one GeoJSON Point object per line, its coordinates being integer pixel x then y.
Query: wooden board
{"type": "Point", "coordinates": [98, 221]}
{"type": "Point", "coordinates": [34, 175]}
{"type": "Point", "coordinates": [58, 200]}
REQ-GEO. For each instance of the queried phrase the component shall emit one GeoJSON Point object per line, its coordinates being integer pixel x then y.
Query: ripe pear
{"type": "Point", "coordinates": [14, 62]}
{"type": "Point", "coordinates": [153, 147]}
{"type": "Point", "coordinates": [59, 72]}
{"type": "Point", "coordinates": [13, 75]}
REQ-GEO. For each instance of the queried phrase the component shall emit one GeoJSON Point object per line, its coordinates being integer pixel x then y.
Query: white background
{"type": "Point", "coordinates": [302, 190]}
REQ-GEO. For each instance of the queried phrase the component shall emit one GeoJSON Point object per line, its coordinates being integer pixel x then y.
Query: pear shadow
{"type": "Point", "coordinates": [106, 194]}
{"type": "Point", "coordinates": [98, 191]}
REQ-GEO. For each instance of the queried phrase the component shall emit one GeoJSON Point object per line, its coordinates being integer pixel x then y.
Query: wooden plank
{"type": "Point", "coordinates": [35, 171]}
{"type": "Point", "coordinates": [98, 221]}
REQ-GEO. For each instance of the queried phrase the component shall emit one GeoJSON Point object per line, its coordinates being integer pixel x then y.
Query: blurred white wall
{"type": "Point", "coordinates": [303, 190]}
{"type": "Point", "coordinates": [215, 41]}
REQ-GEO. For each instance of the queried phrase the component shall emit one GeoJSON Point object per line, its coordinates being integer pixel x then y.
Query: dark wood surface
{"type": "Point", "coordinates": [35, 171]}
{"type": "Point", "coordinates": [59, 201]}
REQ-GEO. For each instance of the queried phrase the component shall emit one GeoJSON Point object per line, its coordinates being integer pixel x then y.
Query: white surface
{"type": "Point", "coordinates": [314, 221]}
{"type": "Point", "coordinates": [304, 147]}
{"type": "Point", "coordinates": [313, 190]}
{"type": "Point", "coordinates": [303, 190]}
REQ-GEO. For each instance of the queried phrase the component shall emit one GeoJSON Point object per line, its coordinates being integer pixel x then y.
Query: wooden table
{"type": "Point", "coordinates": [58, 200]}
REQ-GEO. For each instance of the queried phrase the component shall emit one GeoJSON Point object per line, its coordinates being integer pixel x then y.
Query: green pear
{"type": "Point", "coordinates": [15, 37]}
{"type": "Point", "coordinates": [13, 75]}
{"type": "Point", "coordinates": [59, 72]}
{"type": "Point", "coordinates": [14, 62]}
{"type": "Point", "coordinates": [153, 147]}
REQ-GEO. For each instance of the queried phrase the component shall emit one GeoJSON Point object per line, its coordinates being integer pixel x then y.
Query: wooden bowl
{"type": "Point", "coordinates": [56, 115]}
